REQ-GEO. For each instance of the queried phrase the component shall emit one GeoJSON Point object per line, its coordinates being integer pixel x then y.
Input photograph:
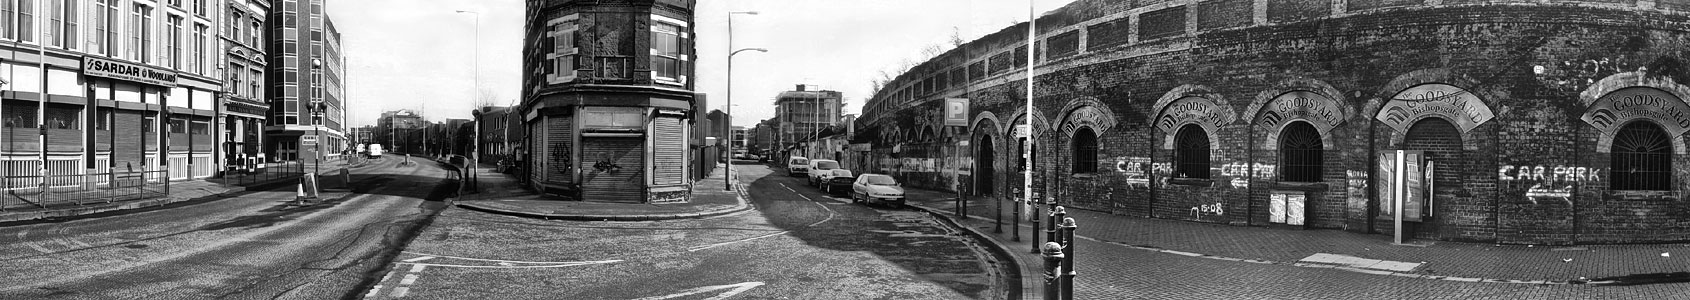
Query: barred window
{"type": "Point", "coordinates": [1301, 153]}
{"type": "Point", "coordinates": [1642, 158]}
{"type": "Point", "coordinates": [1085, 151]}
{"type": "Point", "coordinates": [1191, 152]}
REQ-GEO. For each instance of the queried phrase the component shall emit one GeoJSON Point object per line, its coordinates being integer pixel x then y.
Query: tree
{"type": "Point", "coordinates": [486, 98]}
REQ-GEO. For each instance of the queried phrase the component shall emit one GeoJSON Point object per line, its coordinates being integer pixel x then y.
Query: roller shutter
{"type": "Point", "coordinates": [624, 184]}
{"type": "Point", "coordinates": [669, 153]}
{"type": "Point", "coordinates": [560, 151]}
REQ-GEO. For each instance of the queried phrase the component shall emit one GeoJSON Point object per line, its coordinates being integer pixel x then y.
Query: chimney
{"type": "Point", "coordinates": [800, 87]}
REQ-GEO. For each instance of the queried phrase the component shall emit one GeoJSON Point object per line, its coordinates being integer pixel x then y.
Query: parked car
{"type": "Point", "coordinates": [797, 165]}
{"type": "Point", "coordinates": [837, 180]}
{"type": "Point", "coordinates": [816, 168]}
{"type": "Point", "coordinates": [877, 189]}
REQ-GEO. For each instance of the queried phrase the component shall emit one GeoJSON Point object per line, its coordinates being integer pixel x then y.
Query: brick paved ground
{"type": "Point", "coordinates": [1491, 261]}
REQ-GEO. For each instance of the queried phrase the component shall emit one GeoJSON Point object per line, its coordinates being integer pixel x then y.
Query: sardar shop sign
{"type": "Point", "coordinates": [93, 66]}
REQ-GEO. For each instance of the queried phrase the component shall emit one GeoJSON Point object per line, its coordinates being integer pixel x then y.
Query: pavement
{"type": "Point", "coordinates": [178, 192]}
{"type": "Point", "coordinates": [1372, 254]}
{"type": "Point", "coordinates": [503, 194]}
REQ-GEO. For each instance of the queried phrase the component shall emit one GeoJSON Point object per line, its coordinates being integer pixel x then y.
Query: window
{"type": "Point", "coordinates": [103, 121]}
{"type": "Point", "coordinates": [1085, 151]}
{"type": "Point", "coordinates": [62, 26]}
{"type": "Point", "coordinates": [178, 124]}
{"type": "Point", "coordinates": [141, 33]}
{"type": "Point", "coordinates": [1301, 153]}
{"type": "Point", "coordinates": [199, 7]}
{"type": "Point", "coordinates": [235, 26]}
{"type": "Point", "coordinates": [666, 43]}
{"type": "Point", "coordinates": [257, 34]}
{"type": "Point", "coordinates": [1191, 152]}
{"type": "Point", "coordinates": [175, 41]}
{"type": "Point", "coordinates": [147, 123]}
{"type": "Point", "coordinates": [563, 55]}
{"type": "Point", "coordinates": [1063, 45]}
{"type": "Point", "coordinates": [18, 17]}
{"type": "Point", "coordinates": [19, 115]}
{"type": "Point", "coordinates": [62, 116]}
{"type": "Point", "coordinates": [197, 54]}
{"type": "Point", "coordinates": [255, 79]}
{"type": "Point", "coordinates": [1642, 158]}
{"type": "Point", "coordinates": [104, 38]}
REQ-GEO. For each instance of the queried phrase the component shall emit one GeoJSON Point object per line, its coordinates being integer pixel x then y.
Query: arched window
{"type": "Point", "coordinates": [1085, 151]}
{"type": "Point", "coordinates": [1642, 158]}
{"type": "Point", "coordinates": [1191, 152]}
{"type": "Point", "coordinates": [1301, 153]}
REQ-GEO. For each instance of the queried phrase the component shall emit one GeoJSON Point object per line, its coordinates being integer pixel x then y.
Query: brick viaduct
{"type": "Point", "coordinates": [1517, 103]}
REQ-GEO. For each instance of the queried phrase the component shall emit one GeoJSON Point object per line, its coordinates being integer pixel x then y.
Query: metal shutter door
{"type": "Point", "coordinates": [670, 152]}
{"type": "Point", "coordinates": [618, 185]}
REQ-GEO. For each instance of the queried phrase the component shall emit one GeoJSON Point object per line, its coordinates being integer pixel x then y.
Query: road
{"type": "Point", "coordinates": [254, 246]}
{"type": "Point", "coordinates": [797, 244]}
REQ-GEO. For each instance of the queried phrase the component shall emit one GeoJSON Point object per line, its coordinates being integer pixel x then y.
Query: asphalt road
{"type": "Point", "coordinates": [797, 244]}
{"type": "Point", "coordinates": [253, 246]}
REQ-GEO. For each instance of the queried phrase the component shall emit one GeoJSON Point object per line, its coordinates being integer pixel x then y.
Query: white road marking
{"type": "Point", "coordinates": [409, 279]}
{"type": "Point", "coordinates": [417, 259]}
{"type": "Point", "coordinates": [399, 292]}
{"type": "Point", "coordinates": [696, 248]}
{"type": "Point", "coordinates": [418, 268]}
{"type": "Point", "coordinates": [492, 260]}
{"type": "Point", "coordinates": [734, 289]}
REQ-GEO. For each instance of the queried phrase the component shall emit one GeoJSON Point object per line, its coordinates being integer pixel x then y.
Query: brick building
{"type": "Point", "coordinates": [609, 99]}
{"type": "Point", "coordinates": [803, 113]}
{"type": "Point", "coordinates": [306, 111]}
{"type": "Point", "coordinates": [1541, 123]}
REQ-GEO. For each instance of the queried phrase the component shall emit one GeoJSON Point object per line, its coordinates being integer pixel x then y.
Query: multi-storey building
{"type": "Point", "coordinates": [305, 71]}
{"type": "Point", "coordinates": [104, 89]}
{"type": "Point", "coordinates": [395, 128]}
{"type": "Point", "coordinates": [245, 105]}
{"type": "Point", "coordinates": [608, 98]}
{"type": "Point", "coordinates": [763, 135]}
{"type": "Point", "coordinates": [804, 112]}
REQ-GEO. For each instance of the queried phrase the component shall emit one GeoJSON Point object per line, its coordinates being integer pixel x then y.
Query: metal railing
{"type": "Point", "coordinates": [261, 173]}
{"type": "Point", "coordinates": [28, 192]}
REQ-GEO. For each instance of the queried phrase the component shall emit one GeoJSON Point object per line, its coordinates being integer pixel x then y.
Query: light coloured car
{"type": "Point", "coordinates": [836, 180]}
{"type": "Point", "coordinates": [797, 165]}
{"type": "Point", "coordinates": [877, 189]}
{"type": "Point", "coordinates": [817, 166]}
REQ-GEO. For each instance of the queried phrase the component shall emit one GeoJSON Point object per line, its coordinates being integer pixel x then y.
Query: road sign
{"type": "Point", "coordinates": [308, 139]}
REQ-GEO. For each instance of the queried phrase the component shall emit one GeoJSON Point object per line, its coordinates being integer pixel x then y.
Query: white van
{"type": "Point", "coordinates": [797, 165]}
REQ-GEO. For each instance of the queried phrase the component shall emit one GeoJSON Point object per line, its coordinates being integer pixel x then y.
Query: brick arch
{"type": "Point", "coordinates": [1197, 93]}
{"type": "Point", "coordinates": [1426, 77]}
{"type": "Point", "coordinates": [1104, 120]}
{"type": "Point", "coordinates": [981, 118]}
{"type": "Point", "coordinates": [1334, 97]}
{"type": "Point", "coordinates": [1040, 123]}
{"type": "Point", "coordinates": [1616, 82]}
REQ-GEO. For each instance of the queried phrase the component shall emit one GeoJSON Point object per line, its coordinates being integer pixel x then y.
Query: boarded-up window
{"type": "Point", "coordinates": [1283, 11]}
{"type": "Point", "coordinates": [1162, 23]}
{"type": "Point", "coordinates": [1063, 45]}
{"type": "Point", "coordinates": [1224, 14]}
{"type": "Point", "coordinates": [1107, 34]}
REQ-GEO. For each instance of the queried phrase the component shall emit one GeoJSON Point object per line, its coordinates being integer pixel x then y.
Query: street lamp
{"type": "Point", "coordinates": [317, 109]}
{"type": "Point", "coordinates": [728, 172]}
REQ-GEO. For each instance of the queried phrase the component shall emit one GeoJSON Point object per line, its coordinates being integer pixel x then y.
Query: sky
{"type": "Point", "coordinates": [422, 54]}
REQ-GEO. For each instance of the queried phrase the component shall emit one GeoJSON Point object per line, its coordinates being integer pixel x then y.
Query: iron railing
{"type": "Point", "coordinates": [27, 191]}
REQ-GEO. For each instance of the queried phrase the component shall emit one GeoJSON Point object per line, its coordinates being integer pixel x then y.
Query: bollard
{"type": "Point", "coordinates": [1068, 258]}
{"type": "Point", "coordinates": [1056, 215]}
{"type": "Point", "coordinates": [1034, 217]}
{"type": "Point", "coordinates": [1053, 264]}
{"type": "Point", "coordinates": [1015, 220]}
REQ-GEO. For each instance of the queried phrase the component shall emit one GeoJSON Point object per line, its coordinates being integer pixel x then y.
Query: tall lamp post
{"type": "Point", "coordinates": [727, 180]}
{"type": "Point", "coordinates": [317, 109]}
{"type": "Point", "coordinates": [475, 141]}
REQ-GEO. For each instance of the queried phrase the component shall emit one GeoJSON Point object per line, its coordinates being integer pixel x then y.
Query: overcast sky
{"type": "Point", "coordinates": [419, 54]}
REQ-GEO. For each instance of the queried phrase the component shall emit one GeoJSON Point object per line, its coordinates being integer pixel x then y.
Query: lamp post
{"type": "Point", "coordinates": [728, 172]}
{"type": "Point", "coordinates": [317, 109]}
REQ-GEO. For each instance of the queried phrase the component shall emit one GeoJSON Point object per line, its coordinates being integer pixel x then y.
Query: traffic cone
{"type": "Point", "coordinates": [299, 194]}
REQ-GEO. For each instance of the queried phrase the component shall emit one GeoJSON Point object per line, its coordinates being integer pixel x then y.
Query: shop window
{"type": "Point", "coordinates": [178, 125]}
{"type": "Point", "coordinates": [1301, 153]}
{"type": "Point", "coordinates": [1085, 151]}
{"type": "Point", "coordinates": [1191, 152]}
{"type": "Point", "coordinates": [60, 116]}
{"type": "Point", "coordinates": [1642, 158]}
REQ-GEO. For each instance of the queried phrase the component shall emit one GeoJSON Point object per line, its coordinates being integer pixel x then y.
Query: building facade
{"type": "Point", "coordinates": [245, 105]}
{"type": "Point", "coordinates": [804, 112]}
{"type": "Point", "coordinates": [1521, 122]}
{"type": "Point", "coordinates": [398, 131]}
{"type": "Point", "coordinates": [609, 98]}
{"type": "Point", "coordinates": [104, 89]}
{"type": "Point", "coordinates": [306, 110]}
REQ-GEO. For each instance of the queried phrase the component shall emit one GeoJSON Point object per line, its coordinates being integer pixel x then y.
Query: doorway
{"type": "Point", "coordinates": [984, 169]}
{"type": "Point", "coordinates": [1442, 142]}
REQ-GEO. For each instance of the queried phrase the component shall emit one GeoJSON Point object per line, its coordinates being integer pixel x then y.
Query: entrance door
{"type": "Point", "coordinates": [613, 169]}
{"type": "Point", "coordinates": [1442, 143]}
{"type": "Point", "coordinates": [984, 171]}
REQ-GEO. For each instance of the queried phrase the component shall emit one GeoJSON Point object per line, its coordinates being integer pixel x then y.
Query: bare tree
{"type": "Point", "coordinates": [486, 98]}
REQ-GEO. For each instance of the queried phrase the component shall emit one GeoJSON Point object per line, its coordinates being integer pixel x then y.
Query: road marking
{"type": "Point", "coordinates": [697, 248]}
{"type": "Point", "coordinates": [419, 259]}
{"type": "Point", "coordinates": [399, 292]}
{"type": "Point", "coordinates": [492, 260]}
{"type": "Point", "coordinates": [418, 268]}
{"type": "Point", "coordinates": [409, 279]}
{"type": "Point", "coordinates": [513, 266]}
{"type": "Point", "coordinates": [733, 289]}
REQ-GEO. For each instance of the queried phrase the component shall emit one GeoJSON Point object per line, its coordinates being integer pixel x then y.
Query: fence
{"type": "Point", "coordinates": [27, 191]}
{"type": "Point", "coordinates": [261, 173]}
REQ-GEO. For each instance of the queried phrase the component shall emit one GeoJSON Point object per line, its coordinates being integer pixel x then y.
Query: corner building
{"type": "Point", "coordinates": [304, 75]}
{"type": "Point", "coordinates": [1555, 122]}
{"type": "Point", "coordinates": [608, 100]}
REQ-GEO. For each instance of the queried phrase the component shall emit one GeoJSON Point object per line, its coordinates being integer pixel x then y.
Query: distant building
{"type": "Point", "coordinates": [498, 133]}
{"type": "Point", "coordinates": [607, 98]}
{"type": "Point", "coordinates": [804, 112]}
{"type": "Point", "coordinates": [398, 131]}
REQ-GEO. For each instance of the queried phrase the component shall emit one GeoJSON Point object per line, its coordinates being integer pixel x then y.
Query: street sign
{"type": "Point", "coordinates": [1021, 130]}
{"type": "Point", "coordinates": [956, 111]}
{"type": "Point", "coordinates": [308, 139]}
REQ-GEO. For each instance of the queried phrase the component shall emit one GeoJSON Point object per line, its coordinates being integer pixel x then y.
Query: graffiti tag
{"type": "Point", "coordinates": [1550, 174]}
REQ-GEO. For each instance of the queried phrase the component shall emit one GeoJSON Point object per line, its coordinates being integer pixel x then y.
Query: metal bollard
{"type": "Point", "coordinates": [1015, 220]}
{"type": "Point", "coordinates": [1068, 257]}
{"type": "Point", "coordinates": [1034, 217]}
{"type": "Point", "coordinates": [1056, 215]}
{"type": "Point", "coordinates": [1053, 264]}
